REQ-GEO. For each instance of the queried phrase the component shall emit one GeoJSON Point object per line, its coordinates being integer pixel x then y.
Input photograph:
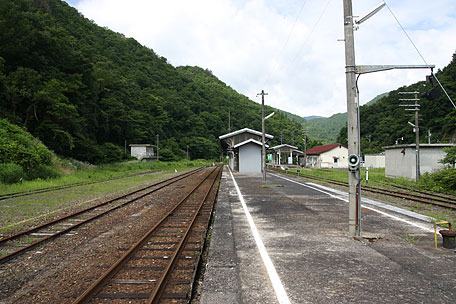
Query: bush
{"type": "Point", "coordinates": [167, 155]}
{"type": "Point", "coordinates": [111, 153]}
{"type": "Point", "coordinates": [43, 172]}
{"type": "Point", "coordinates": [440, 181]}
{"type": "Point", "coordinates": [11, 173]}
{"type": "Point", "coordinates": [446, 179]}
{"type": "Point", "coordinates": [20, 147]}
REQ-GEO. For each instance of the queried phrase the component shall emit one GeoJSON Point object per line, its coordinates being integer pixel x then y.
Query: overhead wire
{"type": "Point", "coordinates": [310, 34]}
{"type": "Point", "coordinates": [280, 54]}
{"type": "Point", "coordinates": [294, 24]}
{"type": "Point", "coordinates": [307, 39]}
{"type": "Point", "coordinates": [419, 53]}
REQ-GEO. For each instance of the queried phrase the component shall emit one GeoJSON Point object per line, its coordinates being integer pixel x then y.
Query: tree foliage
{"type": "Point", "coordinates": [86, 91]}
{"type": "Point", "coordinates": [383, 122]}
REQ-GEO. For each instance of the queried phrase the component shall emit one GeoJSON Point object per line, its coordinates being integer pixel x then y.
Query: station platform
{"type": "Point", "coordinates": [287, 241]}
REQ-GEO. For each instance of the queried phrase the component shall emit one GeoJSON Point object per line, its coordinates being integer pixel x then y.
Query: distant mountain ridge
{"type": "Point", "coordinates": [326, 129]}
{"type": "Point", "coordinates": [313, 117]}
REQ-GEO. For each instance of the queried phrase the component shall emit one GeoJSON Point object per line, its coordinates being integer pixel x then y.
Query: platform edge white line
{"type": "Point", "coordinates": [281, 294]}
{"type": "Point", "coordinates": [427, 229]}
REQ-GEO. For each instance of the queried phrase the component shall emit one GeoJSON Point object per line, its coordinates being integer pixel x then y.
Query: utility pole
{"type": "Point", "coordinates": [229, 121]}
{"type": "Point", "coordinates": [263, 152]}
{"type": "Point", "coordinates": [353, 136]}
{"type": "Point", "coordinates": [414, 107]}
{"type": "Point", "coordinates": [158, 149]}
{"type": "Point", "coordinates": [304, 135]}
{"type": "Point", "coordinates": [281, 137]}
{"type": "Point", "coordinates": [354, 220]}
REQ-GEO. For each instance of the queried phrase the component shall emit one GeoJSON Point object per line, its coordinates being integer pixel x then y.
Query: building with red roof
{"type": "Point", "coordinates": [327, 156]}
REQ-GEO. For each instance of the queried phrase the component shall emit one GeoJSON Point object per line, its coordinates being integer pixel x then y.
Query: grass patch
{"type": "Point", "coordinates": [28, 210]}
{"type": "Point", "coordinates": [82, 173]}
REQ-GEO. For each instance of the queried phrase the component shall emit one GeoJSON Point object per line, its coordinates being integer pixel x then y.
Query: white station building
{"type": "Point", "coordinates": [244, 149]}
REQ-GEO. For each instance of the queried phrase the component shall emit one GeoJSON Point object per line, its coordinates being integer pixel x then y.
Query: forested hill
{"type": "Point", "coordinates": [326, 129]}
{"type": "Point", "coordinates": [385, 121]}
{"type": "Point", "coordinates": [85, 91]}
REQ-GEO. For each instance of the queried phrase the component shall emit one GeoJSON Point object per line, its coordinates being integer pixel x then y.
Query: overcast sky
{"type": "Point", "coordinates": [288, 48]}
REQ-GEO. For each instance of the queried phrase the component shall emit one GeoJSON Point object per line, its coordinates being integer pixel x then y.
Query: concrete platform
{"type": "Point", "coordinates": [304, 230]}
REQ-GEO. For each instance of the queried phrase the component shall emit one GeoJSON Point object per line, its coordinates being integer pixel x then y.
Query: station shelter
{"type": "Point", "coordinates": [284, 155]}
{"type": "Point", "coordinates": [244, 149]}
{"type": "Point", "coordinates": [144, 152]}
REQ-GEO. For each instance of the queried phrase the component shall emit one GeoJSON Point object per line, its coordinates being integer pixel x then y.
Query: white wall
{"type": "Point", "coordinates": [374, 161]}
{"type": "Point", "coordinates": [138, 152]}
{"type": "Point", "coordinates": [327, 158]}
{"type": "Point", "coordinates": [250, 158]}
{"type": "Point", "coordinates": [399, 164]}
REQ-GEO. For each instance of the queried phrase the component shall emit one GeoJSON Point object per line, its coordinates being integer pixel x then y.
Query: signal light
{"type": "Point", "coordinates": [353, 162]}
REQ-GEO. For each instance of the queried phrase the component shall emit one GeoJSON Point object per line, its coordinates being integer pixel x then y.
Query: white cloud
{"type": "Point", "coordinates": [243, 43]}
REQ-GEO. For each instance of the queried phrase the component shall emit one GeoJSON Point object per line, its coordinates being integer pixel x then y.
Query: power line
{"type": "Point", "coordinates": [292, 28]}
{"type": "Point", "coordinates": [310, 35]}
{"type": "Point", "coordinates": [280, 54]}
{"type": "Point", "coordinates": [419, 53]}
{"type": "Point", "coordinates": [305, 42]}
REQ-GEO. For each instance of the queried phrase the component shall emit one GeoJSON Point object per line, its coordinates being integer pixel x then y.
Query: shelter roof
{"type": "Point", "coordinates": [284, 146]}
{"type": "Point", "coordinates": [251, 140]}
{"type": "Point", "coordinates": [245, 130]}
{"type": "Point", "coordinates": [317, 150]}
{"type": "Point", "coordinates": [141, 145]}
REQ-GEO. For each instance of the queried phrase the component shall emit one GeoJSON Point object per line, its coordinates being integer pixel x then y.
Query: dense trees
{"type": "Point", "coordinates": [85, 91]}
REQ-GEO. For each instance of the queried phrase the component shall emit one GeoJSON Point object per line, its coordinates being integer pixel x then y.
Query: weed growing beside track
{"type": "Point", "coordinates": [16, 213]}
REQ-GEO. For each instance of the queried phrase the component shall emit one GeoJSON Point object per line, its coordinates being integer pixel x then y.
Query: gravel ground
{"type": "Point", "coordinates": [60, 270]}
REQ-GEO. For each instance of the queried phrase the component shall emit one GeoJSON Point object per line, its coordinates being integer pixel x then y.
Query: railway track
{"type": "Point", "coordinates": [14, 245]}
{"type": "Point", "coordinates": [161, 265]}
{"type": "Point", "coordinates": [414, 195]}
{"type": "Point", "coordinates": [56, 188]}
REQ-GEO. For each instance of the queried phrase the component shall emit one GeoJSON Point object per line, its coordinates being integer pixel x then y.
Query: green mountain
{"type": "Point", "coordinates": [86, 91]}
{"type": "Point", "coordinates": [312, 117]}
{"type": "Point", "coordinates": [326, 129]}
{"type": "Point", "coordinates": [385, 121]}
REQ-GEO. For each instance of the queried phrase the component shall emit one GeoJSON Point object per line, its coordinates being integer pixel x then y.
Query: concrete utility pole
{"type": "Point", "coordinates": [263, 152]}
{"type": "Point", "coordinates": [229, 121]}
{"type": "Point", "coordinates": [158, 149]}
{"type": "Point", "coordinates": [304, 135]}
{"type": "Point", "coordinates": [353, 136]}
{"type": "Point", "coordinates": [414, 107]}
{"type": "Point", "coordinates": [352, 118]}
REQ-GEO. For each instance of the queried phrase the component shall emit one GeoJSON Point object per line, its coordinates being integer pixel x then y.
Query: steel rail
{"type": "Point", "coordinates": [447, 203]}
{"type": "Point", "coordinates": [117, 266]}
{"type": "Point", "coordinates": [161, 283]}
{"type": "Point", "coordinates": [447, 196]}
{"type": "Point", "coordinates": [11, 255]}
